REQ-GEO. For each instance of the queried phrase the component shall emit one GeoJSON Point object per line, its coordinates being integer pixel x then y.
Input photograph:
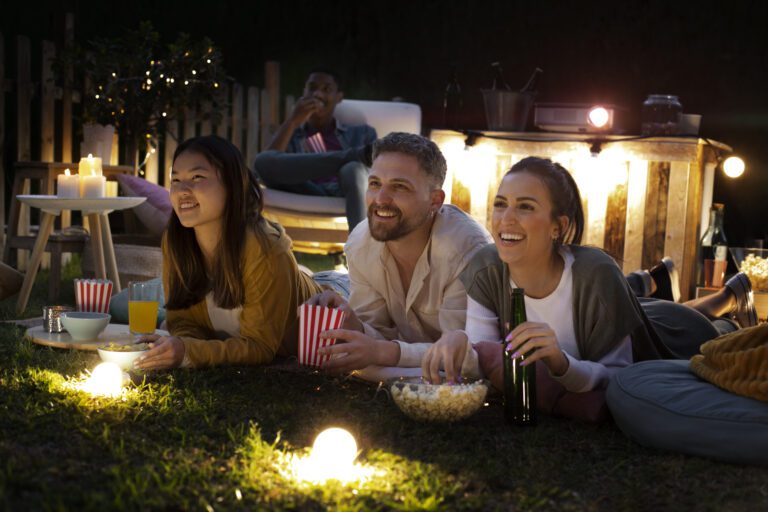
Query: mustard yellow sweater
{"type": "Point", "coordinates": [274, 289]}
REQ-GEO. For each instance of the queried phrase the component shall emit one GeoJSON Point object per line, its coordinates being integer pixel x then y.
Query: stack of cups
{"type": "Point", "coordinates": [93, 295]}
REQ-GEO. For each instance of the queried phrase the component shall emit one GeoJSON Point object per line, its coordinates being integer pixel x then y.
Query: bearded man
{"type": "Point", "coordinates": [404, 263]}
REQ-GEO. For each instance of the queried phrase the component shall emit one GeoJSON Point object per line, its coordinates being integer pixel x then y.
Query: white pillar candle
{"type": "Point", "coordinates": [90, 165]}
{"type": "Point", "coordinates": [92, 186]}
{"type": "Point", "coordinates": [68, 185]}
{"type": "Point", "coordinates": [111, 189]}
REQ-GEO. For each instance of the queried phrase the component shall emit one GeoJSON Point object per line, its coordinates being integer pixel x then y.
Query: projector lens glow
{"type": "Point", "coordinates": [598, 117]}
{"type": "Point", "coordinates": [733, 167]}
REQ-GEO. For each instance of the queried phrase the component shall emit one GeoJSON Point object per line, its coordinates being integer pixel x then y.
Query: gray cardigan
{"type": "Point", "coordinates": [605, 311]}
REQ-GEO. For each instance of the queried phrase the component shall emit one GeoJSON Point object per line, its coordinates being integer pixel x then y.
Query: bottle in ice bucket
{"type": "Point", "coordinates": [519, 381]}
{"type": "Point", "coordinates": [713, 250]}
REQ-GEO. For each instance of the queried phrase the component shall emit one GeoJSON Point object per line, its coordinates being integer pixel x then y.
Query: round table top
{"type": "Point", "coordinates": [55, 204]}
{"type": "Point", "coordinates": [114, 333]}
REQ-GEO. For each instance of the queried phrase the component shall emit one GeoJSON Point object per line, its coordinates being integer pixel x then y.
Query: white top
{"type": "Point", "coordinates": [225, 322]}
{"type": "Point", "coordinates": [555, 310]}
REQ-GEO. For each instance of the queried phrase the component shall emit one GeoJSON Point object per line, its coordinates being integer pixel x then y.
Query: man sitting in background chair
{"type": "Point", "coordinates": [314, 154]}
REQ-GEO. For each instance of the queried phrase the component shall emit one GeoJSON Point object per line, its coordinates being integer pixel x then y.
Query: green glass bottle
{"type": "Point", "coordinates": [519, 381]}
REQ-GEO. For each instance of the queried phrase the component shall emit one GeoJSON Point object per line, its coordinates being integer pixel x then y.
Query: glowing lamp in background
{"type": "Point", "coordinates": [105, 380]}
{"type": "Point", "coordinates": [733, 167]}
{"type": "Point", "coordinates": [598, 117]}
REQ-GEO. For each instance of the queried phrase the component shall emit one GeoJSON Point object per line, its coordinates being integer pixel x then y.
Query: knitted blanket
{"type": "Point", "coordinates": [736, 362]}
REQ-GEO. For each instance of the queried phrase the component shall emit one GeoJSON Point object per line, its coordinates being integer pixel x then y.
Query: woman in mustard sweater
{"type": "Point", "coordinates": [232, 284]}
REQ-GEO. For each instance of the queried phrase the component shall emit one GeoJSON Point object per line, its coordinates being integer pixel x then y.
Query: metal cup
{"type": "Point", "coordinates": [52, 317]}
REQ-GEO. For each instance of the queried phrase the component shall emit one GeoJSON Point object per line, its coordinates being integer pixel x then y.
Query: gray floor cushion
{"type": "Point", "coordinates": [663, 405]}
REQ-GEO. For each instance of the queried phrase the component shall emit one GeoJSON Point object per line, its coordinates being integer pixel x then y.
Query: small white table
{"type": "Point", "coordinates": [96, 209]}
{"type": "Point", "coordinates": [114, 333]}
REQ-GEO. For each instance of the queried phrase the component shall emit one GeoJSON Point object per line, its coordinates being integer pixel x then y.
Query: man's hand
{"type": "Point", "coordinates": [449, 352]}
{"type": "Point", "coordinates": [331, 299]}
{"type": "Point", "coordinates": [361, 351]}
{"type": "Point", "coordinates": [164, 352]}
{"type": "Point", "coordinates": [304, 108]}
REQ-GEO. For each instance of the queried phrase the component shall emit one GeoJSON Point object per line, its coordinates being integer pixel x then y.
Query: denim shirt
{"type": "Point", "coordinates": [348, 136]}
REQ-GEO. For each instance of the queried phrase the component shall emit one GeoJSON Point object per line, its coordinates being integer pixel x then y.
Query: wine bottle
{"type": "Point", "coordinates": [519, 380]}
{"type": "Point", "coordinates": [453, 102]}
{"type": "Point", "coordinates": [532, 84]}
{"type": "Point", "coordinates": [713, 250]}
{"type": "Point", "coordinates": [498, 77]}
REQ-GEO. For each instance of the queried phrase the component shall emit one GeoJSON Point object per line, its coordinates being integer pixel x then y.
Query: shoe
{"type": "Point", "coordinates": [640, 283]}
{"type": "Point", "coordinates": [667, 280]}
{"type": "Point", "coordinates": [745, 313]}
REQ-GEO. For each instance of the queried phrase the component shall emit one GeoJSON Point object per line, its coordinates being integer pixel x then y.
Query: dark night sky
{"type": "Point", "coordinates": [712, 54]}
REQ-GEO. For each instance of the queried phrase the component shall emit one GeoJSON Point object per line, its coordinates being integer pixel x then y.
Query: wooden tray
{"type": "Point", "coordinates": [117, 333]}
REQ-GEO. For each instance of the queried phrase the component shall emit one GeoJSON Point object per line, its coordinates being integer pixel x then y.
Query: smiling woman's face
{"type": "Point", "coordinates": [198, 195]}
{"type": "Point", "coordinates": [522, 223]}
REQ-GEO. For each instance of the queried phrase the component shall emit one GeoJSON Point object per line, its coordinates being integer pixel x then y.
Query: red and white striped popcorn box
{"type": "Point", "coordinates": [93, 294]}
{"type": "Point", "coordinates": [312, 321]}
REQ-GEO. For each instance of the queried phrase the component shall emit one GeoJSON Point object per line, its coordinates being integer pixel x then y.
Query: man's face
{"type": "Point", "coordinates": [401, 198]}
{"type": "Point", "coordinates": [323, 88]}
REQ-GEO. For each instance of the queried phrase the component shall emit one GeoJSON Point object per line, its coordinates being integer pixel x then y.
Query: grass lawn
{"type": "Point", "coordinates": [215, 440]}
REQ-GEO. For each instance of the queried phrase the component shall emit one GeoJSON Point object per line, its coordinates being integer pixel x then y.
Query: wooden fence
{"type": "Point", "coordinates": [45, 124]}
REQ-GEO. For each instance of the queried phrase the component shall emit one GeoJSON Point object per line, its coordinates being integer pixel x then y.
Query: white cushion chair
{"type": "Point", "coordinates": [318, 224]}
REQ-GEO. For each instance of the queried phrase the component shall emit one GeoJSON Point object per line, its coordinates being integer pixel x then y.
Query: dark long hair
{"type": "Point", "coordinates": [566, 199]}
{"type": "Point", "coordinates": [189, 280]}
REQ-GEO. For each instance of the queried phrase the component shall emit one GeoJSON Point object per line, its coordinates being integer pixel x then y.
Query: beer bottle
{"type": "Point", "coordinates": [713, 251]}
{"type": "Point", "coordinates": [519, 381]}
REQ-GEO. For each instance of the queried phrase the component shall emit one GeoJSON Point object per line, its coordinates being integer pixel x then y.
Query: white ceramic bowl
{"type": "Point", "coordinates": [438, 402]}
{"type": "Point", "coordinates": [122, 358]}
{"type": "Point", "coordinates": [84, 326]}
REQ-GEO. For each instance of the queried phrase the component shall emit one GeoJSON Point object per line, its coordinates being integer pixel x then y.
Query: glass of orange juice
{"type": "Point", "coordinates": [143, 302]}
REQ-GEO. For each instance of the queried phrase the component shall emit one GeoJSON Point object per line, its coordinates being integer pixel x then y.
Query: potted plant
{"type": "Point", "coordinates": [136, 84]}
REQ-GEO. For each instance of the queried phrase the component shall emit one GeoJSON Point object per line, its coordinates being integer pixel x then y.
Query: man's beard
{"type": "Point", "coordinates": [396, 231]}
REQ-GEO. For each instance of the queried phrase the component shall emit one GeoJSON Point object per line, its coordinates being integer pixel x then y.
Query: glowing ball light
{"type": "Point", "coordinates": [332, 458]}
{"type": "Point", "coordinates": [598, 117]}
{"type": "Point", "coordinates": [105, 380]}
{"type": "Point", "coordinates": [733, 167]}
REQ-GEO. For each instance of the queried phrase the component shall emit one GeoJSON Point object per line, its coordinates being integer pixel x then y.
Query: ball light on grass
{"type": "Point", "coordinates": [105, 380]}
{"type": "Point", "coordinates": [332, 458]}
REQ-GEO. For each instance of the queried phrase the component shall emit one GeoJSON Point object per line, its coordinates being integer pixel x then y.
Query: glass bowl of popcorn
{"type": "Point", "coordinates": [754, 263]}
{"type": "Point", "coordinates": [446, 402]}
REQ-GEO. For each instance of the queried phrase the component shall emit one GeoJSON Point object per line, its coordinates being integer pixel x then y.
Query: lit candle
{"type": "Point", "coordinates": [68, 185]}
{"type": "Point", "coordinates": [93, 185]}
{"type": "Point", "coordinates": [111, 189]}
{"type": "Point", "coordinates": [90, 165]}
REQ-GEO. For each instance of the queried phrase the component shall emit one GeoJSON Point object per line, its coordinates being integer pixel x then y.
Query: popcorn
{"type": "Point", "coordinates": [439, 402]}
{"type": "Point", "coordinates": [756, 269]}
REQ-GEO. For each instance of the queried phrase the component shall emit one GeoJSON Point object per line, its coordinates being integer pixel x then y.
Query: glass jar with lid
{"type": "Point", "coordinates": [661, 115]}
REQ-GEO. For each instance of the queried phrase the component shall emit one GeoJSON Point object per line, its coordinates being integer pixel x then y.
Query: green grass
{"type": "Point", "coordinates": [214, 440]}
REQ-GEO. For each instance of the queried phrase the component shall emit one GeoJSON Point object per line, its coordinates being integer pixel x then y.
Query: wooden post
{"type": "Point", "coordinates": [171, 142]}
{"type": "Point", "coordinates": [23, 128]}
{"type": "Point", "coordinates": [47, 103]}
{"type": "Point", "coordinates": [237, 117]}
{"type": "Point", "coordinates": [2, 140]}
{"type": "Point", "coordinates": [150, 156]}
{"type": "Point", "coordinates": [190, 123]}
{"type": "Point", "coordinates": [205, 125]}
{"type": "Point", "coordinates": [66, 111]}
{"type": "Point", "coordinates": [270, 102]}
{"type": "Point", "coordinates": [252, 126]}
{"type": "Point", "coordinates": [222, 127]}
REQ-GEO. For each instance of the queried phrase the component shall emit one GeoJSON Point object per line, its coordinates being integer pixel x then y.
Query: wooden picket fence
{"type": "Point", "coordinates": [252, 115]}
